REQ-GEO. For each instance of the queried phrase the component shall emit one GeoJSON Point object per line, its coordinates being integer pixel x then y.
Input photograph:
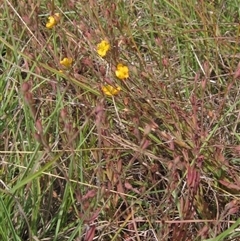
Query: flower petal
{"type": "Point", "coordinates": [122, 71]}
{"type": "Point", "coordinates": [110, 90]}
{"type": "Point", "coordinates": [103, 47]}
{"type": "Point", "coordinates": [53, 20]}
{"type": "Point", "coordinates": [67, 62]}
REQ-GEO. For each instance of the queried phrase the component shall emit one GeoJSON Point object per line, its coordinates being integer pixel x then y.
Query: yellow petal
{"type": "Point", "coordinates": [110, 90]}
{"type": "Point", "coordinates": [103, 47]}
{"type": "Point", "coordinates": [67, 62]}
{"type": "Point", "coordinates": [122, 71]}
{"type": "Point", "coordinates": [53, 20]}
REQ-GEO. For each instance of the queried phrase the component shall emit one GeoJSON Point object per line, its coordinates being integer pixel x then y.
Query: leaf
{"type": "Point", "coordinates": [230, 185]}
{"type": "Point", "coordinates": [226, 233]}
{"type": "Point", "coordinates": [237, 72]}
{"type": "Point", "coordinates": [89, 194]}
{"type": "Point", "coordinates": [90, 233]}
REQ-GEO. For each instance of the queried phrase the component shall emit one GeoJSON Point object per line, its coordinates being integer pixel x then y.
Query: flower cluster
{"type": "Point", "coordinates": [121, 72]}
{"type": "Point", "coordinates": [53, 20]}
{"type": "Point", "coordinates": [103, 47]}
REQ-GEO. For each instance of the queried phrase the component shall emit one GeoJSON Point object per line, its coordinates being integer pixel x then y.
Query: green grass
{"type": "Point", "coordinates": [158, 161]}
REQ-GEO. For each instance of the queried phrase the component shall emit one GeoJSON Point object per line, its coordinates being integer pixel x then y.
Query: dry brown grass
{"type": "Point", "coordinates": [159, 161]}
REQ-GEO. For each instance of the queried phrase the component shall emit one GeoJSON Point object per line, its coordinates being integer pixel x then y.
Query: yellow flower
{"type": "Point", "coordinates": [103, 47]}
{"type": "Point", "coordinates": [53, 20]}
{"type": "Point", "coordinates": [66, 62]}
{"type": "Point", "coordinates": [122, 71]}
{"type": "Point", "coordinates": [110, 90]}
